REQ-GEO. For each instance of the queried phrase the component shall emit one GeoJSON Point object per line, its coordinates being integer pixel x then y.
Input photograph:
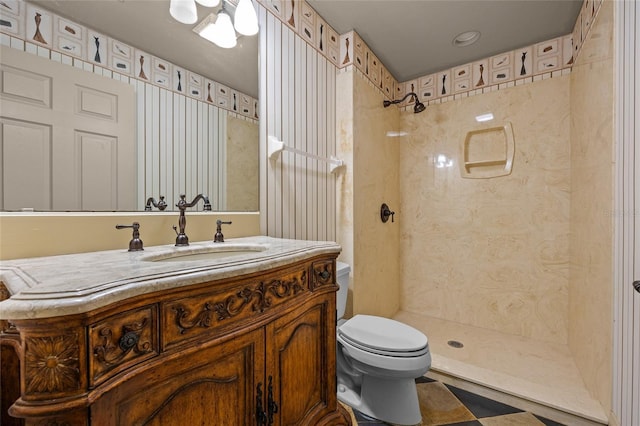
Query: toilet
{"type": "Point", "coordinates": [378, 360]}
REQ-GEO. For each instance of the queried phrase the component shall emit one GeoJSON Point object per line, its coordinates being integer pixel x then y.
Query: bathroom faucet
{"type": "Point", "coordinates": [182, 239]}
{"type": "Point", "coordinates": [219, 238]}
{"type": "Point", "coordinates": [136, 243]}
{"type": "Point", "coordinates": [160, 205]}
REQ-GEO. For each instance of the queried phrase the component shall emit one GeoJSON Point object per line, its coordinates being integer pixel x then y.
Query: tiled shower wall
{"type": "Point", "coordinates": [592, 217]}
{"type": "Point", "coordinates": [492, 253]}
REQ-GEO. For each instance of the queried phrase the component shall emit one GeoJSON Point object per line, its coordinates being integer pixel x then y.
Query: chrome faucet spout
{"type": "Point", "coordinates": [182, 239]}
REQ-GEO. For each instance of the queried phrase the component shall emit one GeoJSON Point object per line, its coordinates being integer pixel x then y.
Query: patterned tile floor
{"type": "Point", "coordinates": [442, 404]}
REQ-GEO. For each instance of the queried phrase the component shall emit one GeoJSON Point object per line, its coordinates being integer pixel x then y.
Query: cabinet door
{"type": "Point", "coordinates": [301, 364]}
{"type": "Point", "coordinates": [214, 385]}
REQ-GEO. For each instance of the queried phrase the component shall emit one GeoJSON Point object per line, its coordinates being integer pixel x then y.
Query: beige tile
{"type": "Point", "coordinates": [489, 252]}
{"type": "Point", "coordinates": [592, 218]}
{"type": "Point", "coordinates": [518, 419]}
{"type": "Point", "coordinates": [439, 406]}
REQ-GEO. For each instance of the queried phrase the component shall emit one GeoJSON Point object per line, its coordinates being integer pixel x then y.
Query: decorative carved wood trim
{"type": "Point", "coordinates": [259, 298]}
{"type": "Point", "coordinates": [4, 292]}
{"type": "Point", "coordinates": [52, 364]}
{"type": "Point", "coordinates": [119, 340]}
{"type": "Point", "coordinates": [5, 326]}
{"type": "Point", "coordinates": [322, 275]}
{"type": "Point", "coordinates": [111, 354]}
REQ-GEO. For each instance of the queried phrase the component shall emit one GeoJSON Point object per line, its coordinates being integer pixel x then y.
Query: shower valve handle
{"type": "Point", "coordinates": [385, 212]}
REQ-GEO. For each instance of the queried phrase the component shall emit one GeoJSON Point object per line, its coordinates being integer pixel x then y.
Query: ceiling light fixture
{"type": "Point", "coordinates": [209, 3]}
{"type": "Point", "coordinates": [218, 28]}
{"type": "Point", "coordinates": [466, 38]}
{"type": "Point", "coordinates": [223, 34]}
{"type": "Point", "coordinates": [246, 20]}
{"type": "Point", "coordinates": [184, 11]}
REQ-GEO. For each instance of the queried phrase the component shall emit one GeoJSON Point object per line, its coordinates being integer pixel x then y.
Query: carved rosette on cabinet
{"type": "Point", "coordinates": [52, 364]}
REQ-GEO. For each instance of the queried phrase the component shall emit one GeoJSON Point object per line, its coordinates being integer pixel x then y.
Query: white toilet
{"type": "Point", "coordinates": [378, 360]}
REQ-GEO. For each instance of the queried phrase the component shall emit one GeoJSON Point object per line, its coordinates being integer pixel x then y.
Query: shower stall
{"type": "Point", "coordinates": [510, 274]}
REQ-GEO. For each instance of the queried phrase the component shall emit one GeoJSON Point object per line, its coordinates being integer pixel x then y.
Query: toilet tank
{"type": "Point", "coordinates": [342, 276]}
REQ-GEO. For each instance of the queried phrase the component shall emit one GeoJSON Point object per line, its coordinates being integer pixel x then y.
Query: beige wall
{"type": "Point", "coordinates": [243, 167]}
{"type": "Point", "coordinates": [48, 234]}
{"type": "Point", "coordinates": [370, 179]}
{"type": "Point", "coordinates": [344, 181]}
{"type": "Point", "coordinates": [591, 286]}
{"type": "Point", "coordinates": [490, 252]}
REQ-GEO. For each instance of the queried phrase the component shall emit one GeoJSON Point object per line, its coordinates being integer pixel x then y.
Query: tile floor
{"type": "Point", "coordinates": [528, 369]}
{"type": "Point", "coordinates": [446, 405]}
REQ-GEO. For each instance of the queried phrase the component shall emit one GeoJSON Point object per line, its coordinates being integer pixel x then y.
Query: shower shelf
{"type": "Point", "coordinates": [488, 152]}
{"type": "Point", "coordinates": [488, 163]}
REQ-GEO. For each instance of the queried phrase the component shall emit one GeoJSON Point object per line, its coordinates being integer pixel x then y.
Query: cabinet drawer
{"type": "Point", "coordinates": [191, 317]}
{"type": "Point", "coordinates": [121, 341]}
{"type": "Point", "coordinates": [322, 274]}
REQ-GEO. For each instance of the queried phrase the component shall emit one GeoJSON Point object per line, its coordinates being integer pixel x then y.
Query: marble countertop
{"type": "Point", "coordinates": [46, 287]}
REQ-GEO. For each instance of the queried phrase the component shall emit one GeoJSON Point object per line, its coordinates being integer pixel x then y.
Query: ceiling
{"type": "Point", "coordinates": [411, 38]}
{"type": "Point", "coordinates": [415, 38]}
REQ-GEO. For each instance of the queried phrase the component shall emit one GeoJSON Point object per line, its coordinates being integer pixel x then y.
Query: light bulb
{"type": "Point", "coordinates": [209, 3]}
{"type": "Point", "coordinates": [184, 11]}
{"type": "Point", "coordinates": [224, 35]}
{"type": "Point", "coordinates": [246, 20]}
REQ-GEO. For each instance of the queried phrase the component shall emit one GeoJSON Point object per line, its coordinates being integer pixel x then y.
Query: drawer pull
{"type": "Point", "coordinates": [261, 416]}
{"type": "Point", "coordinates": [272, 406]}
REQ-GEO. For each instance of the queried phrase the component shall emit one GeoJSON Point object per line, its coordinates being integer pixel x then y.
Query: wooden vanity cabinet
{"type": "Point", "coordinates": [253, 350]}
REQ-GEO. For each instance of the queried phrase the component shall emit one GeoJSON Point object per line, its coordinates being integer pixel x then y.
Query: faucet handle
{"type": "Point", "coordinates": [207, 205]}
{"type": "Point", "coordinates": [219, 238]}
{"type": "Point", "coordinates": [136, 243]}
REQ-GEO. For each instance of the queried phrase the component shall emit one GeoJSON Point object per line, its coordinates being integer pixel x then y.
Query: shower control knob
{"type": "Point", "coordinates": [636, 285]}
{"type": "Point", "coordinates": [385, 212]}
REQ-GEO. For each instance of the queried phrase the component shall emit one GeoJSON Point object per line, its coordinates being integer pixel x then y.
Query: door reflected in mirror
{"type": "Point", "coordinates": [191, 124]}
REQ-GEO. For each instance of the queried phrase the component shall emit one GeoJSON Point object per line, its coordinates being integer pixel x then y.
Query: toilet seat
{"type": "Point", "coordinates": [383, 336]}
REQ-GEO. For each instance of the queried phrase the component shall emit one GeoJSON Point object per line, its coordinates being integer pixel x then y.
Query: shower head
{"type": "Point", "coordinates": [418, 107]}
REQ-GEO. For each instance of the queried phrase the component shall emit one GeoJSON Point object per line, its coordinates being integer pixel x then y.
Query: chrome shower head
{"type": "Point", "coordinates": [418, 107]}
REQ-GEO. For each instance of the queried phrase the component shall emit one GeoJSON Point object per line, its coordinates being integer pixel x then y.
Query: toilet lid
{"type": "Point", "coordinates": [383, 334]}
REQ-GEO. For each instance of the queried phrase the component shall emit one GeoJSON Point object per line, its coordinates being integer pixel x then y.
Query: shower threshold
{"type": "Point", "coordinates": [531, 375]}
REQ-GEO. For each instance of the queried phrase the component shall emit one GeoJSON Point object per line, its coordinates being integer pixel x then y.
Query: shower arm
{"type": "Point", "coordinates": [418, 107]}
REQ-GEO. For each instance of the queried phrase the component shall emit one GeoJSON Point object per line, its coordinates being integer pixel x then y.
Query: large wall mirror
{"type": "Point", "coordinates": [193, 108]}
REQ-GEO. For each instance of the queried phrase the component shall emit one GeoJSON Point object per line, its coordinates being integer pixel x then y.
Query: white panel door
{"type": "Point", "coordinates": [67, 139]}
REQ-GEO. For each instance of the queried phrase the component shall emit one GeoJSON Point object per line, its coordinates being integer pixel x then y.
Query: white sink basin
{"type": "Point", "coordinates": [209, 252]}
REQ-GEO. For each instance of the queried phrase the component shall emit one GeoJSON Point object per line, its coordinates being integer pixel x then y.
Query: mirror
{"type": "Point", "coordinates": [146, 26]}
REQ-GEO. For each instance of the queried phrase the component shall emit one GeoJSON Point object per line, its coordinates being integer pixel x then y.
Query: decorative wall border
{"type": "Point", "coordinates": [84, 48]}
{"type": "Point", "coordinates": [547, 59]}
{"type": "Point", "coordinates": [308, 24]}
{"type": "Point", "coordinates": [36, 30]}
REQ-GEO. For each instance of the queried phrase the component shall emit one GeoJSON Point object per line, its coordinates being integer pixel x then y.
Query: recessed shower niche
{"type": "Point", "coordinates": [488, 153]}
